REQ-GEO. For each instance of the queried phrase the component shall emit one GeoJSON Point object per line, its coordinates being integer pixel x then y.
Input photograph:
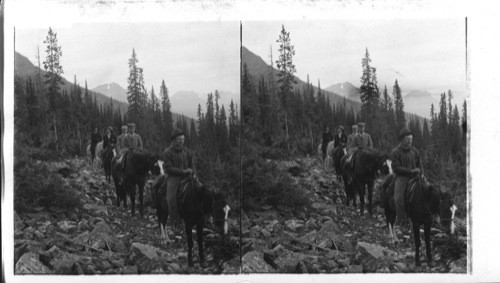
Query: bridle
{"type": "Point", "coordinates": [441, 201]}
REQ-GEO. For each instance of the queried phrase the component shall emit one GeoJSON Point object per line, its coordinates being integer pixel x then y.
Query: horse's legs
{"type": "Point", "coordinates": [427, 237]}
{"type": "Point", "coordinates": [370, 197]}
{"type": "Point", "coordinates": [189, 235]}
{"type": "Point", "coordinates": [141, 196]}
{"type": "Point", "coordinates": [416, 236]}
{"type": "Point", "coordinates": [199, 236]}
{"type": "Point", "coordinates": [360, 188]}
{"type": "Point", "coordinates": [131, 189]}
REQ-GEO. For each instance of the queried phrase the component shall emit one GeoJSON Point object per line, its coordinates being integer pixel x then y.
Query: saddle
{"type": "Point", "coordinates": [410, 191]}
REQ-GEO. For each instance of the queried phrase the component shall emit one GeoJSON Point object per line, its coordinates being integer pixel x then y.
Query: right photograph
{"type": "Point", "coordinates": [354, 146]}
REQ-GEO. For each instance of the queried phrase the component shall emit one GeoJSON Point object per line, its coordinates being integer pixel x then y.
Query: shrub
{"type": "Point", "coordinates": [35, 185]}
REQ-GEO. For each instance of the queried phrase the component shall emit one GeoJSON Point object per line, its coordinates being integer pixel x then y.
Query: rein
{"type": "Point", "coordinates": [441, 200]}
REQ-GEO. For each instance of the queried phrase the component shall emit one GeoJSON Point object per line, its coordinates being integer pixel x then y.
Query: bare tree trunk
{"type": "Point", "coordinates": [55, 131]}
{"type": "Point", "coordinates": [286, 129]}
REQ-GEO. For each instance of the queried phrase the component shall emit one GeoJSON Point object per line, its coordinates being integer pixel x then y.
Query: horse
{"type": "Point", "coordinates": [338, 154]}
{"type": "Point", "coordinates": [107, 157]}
{"type": "Point", "coordinates": [98, 153]}
{"type": "Point", "coordinates": [136, 165]}
{"type": "Point", "coordinates": [197, 204]}
{"type": "Point", "coordinates": [363, 172]}
{"type": "Point", "coordinates": [425, 204]}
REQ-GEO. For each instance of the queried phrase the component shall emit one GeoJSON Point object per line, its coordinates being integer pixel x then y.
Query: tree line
{"type": "Point", "coordinates": [290, 119]}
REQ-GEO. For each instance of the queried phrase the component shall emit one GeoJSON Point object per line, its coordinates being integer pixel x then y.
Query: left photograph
{"type": "Point", "coordinates": [126, 152]}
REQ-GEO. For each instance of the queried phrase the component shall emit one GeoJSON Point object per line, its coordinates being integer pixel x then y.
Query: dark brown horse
{"type": "Point", "coordinates": [338, 154]}
{"type": "Point", "coordinates": [425, 203]}
{"type": "Point", "coordinates": [361, 176]}
{"type": "Point", "coordinates": [107, 157]}
{"type": "Point", "coordinates": [198, 204]}
{"type": "Point", "coordinates": [136, 165]}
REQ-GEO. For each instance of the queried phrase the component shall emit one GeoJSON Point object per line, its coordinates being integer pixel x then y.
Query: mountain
{"type": "Point", "coordinates": [337, 92]}
{"type": "Point", "coordinates": [346, 90]}
{"type": "Point", "coordinates": [186, 102]}
{"type": "Point", "coordinates": [258, 67]}
{"type": "Point", "coordinates": [24, 68]}
{"type": "Point", "coordinates": [112, 90]}
{"type": "Point", "coordinates": [419, 102]}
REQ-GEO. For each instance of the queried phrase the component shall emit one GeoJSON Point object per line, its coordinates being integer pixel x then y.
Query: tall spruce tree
{"type": "Point", "coordinates": [166, 112]}
{"type": "Point", "coordinates": [135, 90]}
{"type": "Point", "coordinates": [286, 70]}
{"type": "Point", "coordinates": [398, 107]}
{"type": "Point", "coordinates": [52, 65]}
{"type": "Point", "coordinates": [369, 91]}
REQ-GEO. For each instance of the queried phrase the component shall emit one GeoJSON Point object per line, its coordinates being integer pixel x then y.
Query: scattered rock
{"type": "Point", "coordinates": [130, 269]}
{"type": "Point", "coordinates": [67, 227]}
{"type": "Point", "coordinates": [355, 269]}
{"type": "Point", "coordinates": [459, 266]}
{"type": "Point", "coordinates": [47, 228]}
{"type": "Point", "coordinates": [143, 256]}
{"type": "Point", "coordinates": [294, 225]}
{"type": "Point", "coordinates": [374, 257]}
{"type": "Point", "coordinates": [29, 264]}
{"type": "Point", "coordinates": [63, 262]}
{"type": "Point", "coordinates": [329, 236]}
{"type": "Point", "coordinates": [287, 261]}
{"type": "Point", "coordinates": [18, 223]}
{"type": "Point", "coordinates": [253, 262]}
{"type": "Point", "coordinates": [232, 266]}
{"type": "Point", "coordinates": [95, 208]}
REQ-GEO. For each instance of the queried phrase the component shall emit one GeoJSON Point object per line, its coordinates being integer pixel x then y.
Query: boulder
{"type": "Point", "coordinates": [311, 225]}
{"type": "Point", "coordinates": [374, 257]}
{"type": "Point", "coordinates": [26, 246]}
{"type": "Point", "coordinates": [130, 269]}
{"type": "Point", "coordinates": [101, 237]}
{"type": "Point", "coordinates": [18, 223]}
{"type": "Point", "coordinates": [29, 264]}
{"type": "Point", "coordinates": [287, 261]}
{"type": "Point", "coordinates": [232, 266]}
{"type": "Point", "coordinates": [98, 209]}
{"type": "Point", "coordinates": [329, 236]}
{"type": "Point", "coordinates": [67, 227]}
{"type": "Point", "coordinates": [253, 262]}
{"type": "Point", "coordinates": [294, 225]}
{"type": "Point", "coordinates": [143, 256]}
{"type": "Point", "coordinates": [63, 262]}
{"type": "Point", "coordinates": [459, 266]}
{"type": "Point", "coordinates": [47, 228]}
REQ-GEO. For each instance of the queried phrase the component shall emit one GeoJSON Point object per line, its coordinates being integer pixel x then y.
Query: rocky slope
{"type": "Point", "coordinates": [331, 238]}
{"type": "Point", "coordinates": [100, 238]}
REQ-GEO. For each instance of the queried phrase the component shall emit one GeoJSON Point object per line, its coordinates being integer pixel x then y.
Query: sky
{"type": "Point", "coordinates": [194, 56]}
{"type": "Point", "coordinates": [421, 54]}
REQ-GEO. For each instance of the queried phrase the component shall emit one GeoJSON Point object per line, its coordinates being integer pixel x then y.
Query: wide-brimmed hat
{"type": "Point", "coordinates": [361, 124]}
{"type": "Point", "coordinates": [354, 126]}
{"type": "Point", "coordinates": [131, 125]}
{"type": "Point", "coordinates": [340, 128]}
{"type": "Point", "coordinates": [176, 133]}
{"type": "Point", "coordinates": [404, 132]}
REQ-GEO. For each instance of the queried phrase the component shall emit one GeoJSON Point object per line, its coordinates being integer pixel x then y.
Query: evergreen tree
{"type": "Point", "coordinates": [53, 79]}
{"type": "Point", "coordinates": [135, 89]}
{"type": "Point", "coordinates": [369, 91]}
{"type": "Point", "coordinates": [464, 123]}
{"type": "Point", "coordinates": [166, 115]}
{"type": "Point", "coordinates": [233, 124]}
{"type": "Point", "coordinates": [399, 107]}
{"type": "Point", "coordinates": [286, 69]}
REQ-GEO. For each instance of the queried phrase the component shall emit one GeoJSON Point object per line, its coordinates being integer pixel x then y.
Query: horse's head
{"type": "Point", "coordinates": [442, 204]}
{"type": "Point", "coordinates": [214, 206]}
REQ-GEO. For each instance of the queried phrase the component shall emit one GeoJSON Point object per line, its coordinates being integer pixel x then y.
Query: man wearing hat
{"type": "Point", "coordinates": [95, 138]}
{"type": "Point", "coordinates": [132, 141]}
{"type": "Point", "coordinates": [178, 164]}
{"type": "Point", "coordinates": [363, 140]}
{"type": "Point", "coordinates": [351, 148]}
{"type": "Point", "coordinates": [120, 145]}
{"type": "Point", "coordinates": [406, 163]}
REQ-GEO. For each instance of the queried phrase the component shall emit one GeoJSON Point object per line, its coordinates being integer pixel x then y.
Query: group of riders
{"type": "Point", "coordinates": [406, 162]}
{"type": "Point", "coordinates": [177, 161]}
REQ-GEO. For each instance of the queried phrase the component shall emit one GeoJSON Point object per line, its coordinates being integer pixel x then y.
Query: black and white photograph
{"type": "Point", "coordinates": [249, 141]}
{"type": "Point", "coordinates": [126, 157]}
{"type": "Point", "coordinates": [354, 146]}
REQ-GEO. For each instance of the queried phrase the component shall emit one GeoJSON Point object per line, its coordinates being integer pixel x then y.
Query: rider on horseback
{"type": "Point", "coordinates": [340, 139]}
{"type": "Point", "coordinates": [326, 138]}
{"type": "Point", "coordinates": [406, 163]}
{"type": "Point", "coordinates": [178, 163]}
{"type": "Point", "coordinates": [109, 140]}
{"type": "Point", "coordinates": [120, 145]}
{"type": "Point", "coordinates": [95, 138]}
